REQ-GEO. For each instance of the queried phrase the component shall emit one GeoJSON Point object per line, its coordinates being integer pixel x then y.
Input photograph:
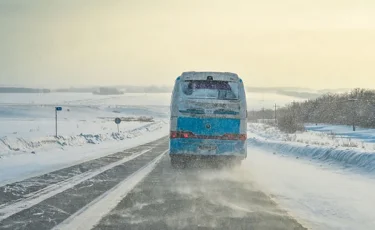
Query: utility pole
{"type": "Point", "coordinates": [263, 114]}
{"type": "Point", "coordinates": [56, 110]}
{"type": "Point", "coordinates": [263, 108]}
{"type": "Point", "coordinates": [353, 100]}
{"type": "Point", "coordinates": [275, 114]}
{"type": "Point", "coordinates": [56, 122]}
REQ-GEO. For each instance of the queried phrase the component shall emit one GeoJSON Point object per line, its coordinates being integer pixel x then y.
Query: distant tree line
{"type": "Point", "coordinates": [123, 88]}
{"type": "Point", "coordinates": [356, 107]}
{"type": "Point", "coordinates": [22, 90]}
{"type": "Point", "coordinates": [107, 91]}
{"type": "Point", "coordinates": [76, 90]}
{"type": "Point", "coordinates": [147, 89]}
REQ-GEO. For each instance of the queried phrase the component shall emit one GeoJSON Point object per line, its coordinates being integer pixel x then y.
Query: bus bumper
{"type": "Point", "coordinates": [199, 147]}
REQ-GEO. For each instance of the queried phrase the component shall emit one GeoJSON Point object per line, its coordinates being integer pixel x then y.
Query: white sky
{"type": "Point", "coordinates": [304, 43]}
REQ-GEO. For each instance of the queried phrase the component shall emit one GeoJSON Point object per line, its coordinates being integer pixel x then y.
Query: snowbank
{"type": "Point", "coordinates": [17, 167]}
{"type": "Point", "coordinates": [330, 137]}
{"type": "Point", "coordinates": [344, 157]}
{"type": "Point", "coordinates": [27, 121]}
{"type": "Point", "coordinates": [10, 146]}
{"type": "Point", "coordinates": [311, 145]}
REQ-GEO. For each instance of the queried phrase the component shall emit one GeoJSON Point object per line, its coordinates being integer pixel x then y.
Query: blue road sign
{"type": "Point", "coordinates": [117, 120]}
{"type": "Point", "coordinates": [58, 108]}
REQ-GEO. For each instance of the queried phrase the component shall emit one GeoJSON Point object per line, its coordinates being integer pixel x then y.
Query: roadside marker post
{"type": "Point", "coordinates": [118, 121]}
{"type": "Point", "coordinates": [56, 110]}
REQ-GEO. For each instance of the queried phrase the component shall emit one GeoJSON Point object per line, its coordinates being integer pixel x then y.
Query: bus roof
{"type": "Point", "coordinates": [218, 76]}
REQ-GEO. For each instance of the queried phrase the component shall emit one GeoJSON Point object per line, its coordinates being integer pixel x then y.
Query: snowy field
{"type": "Point", "coordinates": [86, 128]}
{"type": "Point", "coordinates": [323, 181]}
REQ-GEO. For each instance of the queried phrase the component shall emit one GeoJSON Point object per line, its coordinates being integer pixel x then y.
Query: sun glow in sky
{"type": "Point", "coordinates": [309, 43]}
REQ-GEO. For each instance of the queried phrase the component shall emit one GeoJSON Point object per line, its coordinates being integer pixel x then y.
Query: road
{"type": "Point", "coordinates": [138, 189]}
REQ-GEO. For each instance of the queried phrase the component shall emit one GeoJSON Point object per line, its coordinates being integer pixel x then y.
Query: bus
{"type": "Point", "coordinates": [208, 118]}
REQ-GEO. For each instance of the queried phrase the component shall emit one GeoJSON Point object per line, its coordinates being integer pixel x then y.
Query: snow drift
{"type": "Point", "coordinates": [18, 145]}
{"type": "Point", "coordinates": [344, 157]}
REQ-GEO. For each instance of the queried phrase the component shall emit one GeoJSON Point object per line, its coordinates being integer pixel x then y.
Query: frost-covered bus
{"type": "Point", "coordinates": [208, 117]}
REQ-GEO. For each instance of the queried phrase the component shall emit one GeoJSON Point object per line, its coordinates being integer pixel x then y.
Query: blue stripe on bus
{"type": "Point", "coordinates": [193, 147]}
{"type": "Point", "coordinates": [209, 126]}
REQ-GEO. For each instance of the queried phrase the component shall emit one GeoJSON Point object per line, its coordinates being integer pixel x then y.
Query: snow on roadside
{"type": "Point", "coordinates": [312, 145]}
{"type": "Point", "coordinates": [10, 146]}
{"type": "Point", "coordinates": [311, 137]}
{"type": "Point", "coordinates": [319, 197]}
{"type": "Point", "coordinates": [86, 129]}
{"type": "Point", "coordinates": [17, 167]}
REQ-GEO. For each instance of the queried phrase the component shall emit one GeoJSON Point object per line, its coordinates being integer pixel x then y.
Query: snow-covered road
{"type": "Point", "coordinates": [138, 189]}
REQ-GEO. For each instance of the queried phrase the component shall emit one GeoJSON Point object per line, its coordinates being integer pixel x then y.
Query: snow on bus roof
{"type": "Point", "coordinates": [220, 76]}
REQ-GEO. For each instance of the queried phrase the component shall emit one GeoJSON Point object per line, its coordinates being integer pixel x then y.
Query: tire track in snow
{"type": "Point", "coordinates": [54, 210]}
{"type": "Point", "coordinates": [197, 197]}
{"type": "Point", "coordinates": [107, 201]}
{"type": "Point", "coordinates": [14, 192]}
{"type": "Point", "coordinates": [43, 194]}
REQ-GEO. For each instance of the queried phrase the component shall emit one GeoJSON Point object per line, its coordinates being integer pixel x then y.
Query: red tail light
{"type": "Point", "coordinates": [229, 136]}
{"type": "Point", "coordinates": [180, 134]}
{"type": "Point", "coordinates": [173, 134]}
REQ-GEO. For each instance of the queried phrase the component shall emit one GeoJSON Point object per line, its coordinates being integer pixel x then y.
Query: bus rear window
{"type": "Point", "coordinates": [219, 90]}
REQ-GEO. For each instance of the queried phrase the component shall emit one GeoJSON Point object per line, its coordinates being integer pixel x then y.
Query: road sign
{"type": "Point", "coordinates": [58, 108]}
{"type": "Point", "coordinates": [117, 120]}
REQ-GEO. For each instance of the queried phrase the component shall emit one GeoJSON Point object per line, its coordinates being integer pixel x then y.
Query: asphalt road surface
{"type": "Point", "coordinates": [138, 189]}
